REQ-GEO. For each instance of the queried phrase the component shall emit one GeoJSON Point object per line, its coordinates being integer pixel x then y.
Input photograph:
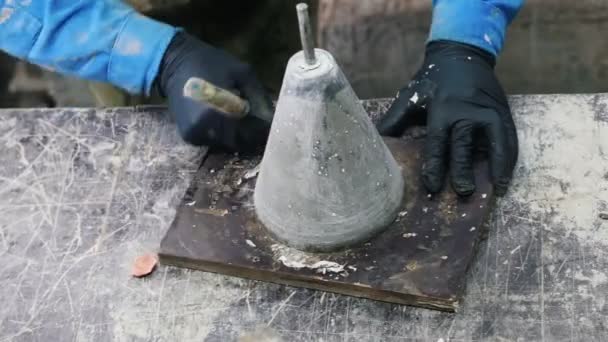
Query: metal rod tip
{"type": "Point", "coordinates": [306, 34]}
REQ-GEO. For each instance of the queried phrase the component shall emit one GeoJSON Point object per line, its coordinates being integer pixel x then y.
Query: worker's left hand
{"type": "Point", "coordinates": [199, 124]}
{"type": "Point", "coordinates": [458, 93]}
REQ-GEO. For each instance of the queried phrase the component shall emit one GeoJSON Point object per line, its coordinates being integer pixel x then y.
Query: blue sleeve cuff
{"type": "Point", "coordinates": [479, 23]}
{"type": "Point", "coordinates": [137, 53]}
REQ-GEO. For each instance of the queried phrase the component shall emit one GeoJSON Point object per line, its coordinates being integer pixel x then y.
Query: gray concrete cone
{"type": "Point", "coordinates": [327, 179]}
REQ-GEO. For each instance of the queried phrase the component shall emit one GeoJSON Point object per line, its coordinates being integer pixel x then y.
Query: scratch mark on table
{"type": "Point", "coordinates": [280, 308]}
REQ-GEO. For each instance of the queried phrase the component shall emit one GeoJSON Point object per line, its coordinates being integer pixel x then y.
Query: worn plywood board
{"type": "Point", "coordinates": [421, 259]}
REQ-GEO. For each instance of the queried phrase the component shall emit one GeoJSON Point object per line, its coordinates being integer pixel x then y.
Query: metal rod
{"type": "Point", "coordinates": [306, 34]}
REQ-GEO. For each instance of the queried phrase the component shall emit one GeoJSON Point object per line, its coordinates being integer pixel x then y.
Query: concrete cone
{"type": "Point", "coordinates": [327, 179]}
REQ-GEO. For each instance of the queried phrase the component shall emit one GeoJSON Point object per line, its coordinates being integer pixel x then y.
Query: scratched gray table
{"type": "Point", "coordinates": [83, 192]}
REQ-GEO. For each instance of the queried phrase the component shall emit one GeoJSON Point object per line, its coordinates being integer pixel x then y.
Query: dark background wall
{"type": "Point", "coordinates": [554, 46]}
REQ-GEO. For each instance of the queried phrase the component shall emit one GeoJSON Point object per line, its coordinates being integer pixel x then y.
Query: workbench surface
{"type": "Point", "coordinates": [83, 192]}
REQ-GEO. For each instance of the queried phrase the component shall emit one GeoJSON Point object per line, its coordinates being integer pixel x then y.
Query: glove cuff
{"type": "Point", "coordinates": [174, 55]}
{"type": "Point", "coordinates": [478, 23]}
{"type": "Point", "coordinates": [448, 48]}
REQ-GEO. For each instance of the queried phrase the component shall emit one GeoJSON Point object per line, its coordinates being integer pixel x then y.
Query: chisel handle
{"type": "Point", "coordinates": [222, 100]}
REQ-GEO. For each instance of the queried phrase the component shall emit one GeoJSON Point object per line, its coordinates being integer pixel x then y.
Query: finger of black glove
{"type": "Point", "coordinates": [398, 117]}
{"type": "Point", "coordinates": [433, 169]}
{"type": "Point", "coordinates": [503, 154]}
{"type": "Point", "coordinates": [199, 125]}
{"type": "Point", "coordinates": [252, 133]}
{"type": "Point", "coordinates": [259, 100]}
{"type": "Point", "coordinates": [461, 158]}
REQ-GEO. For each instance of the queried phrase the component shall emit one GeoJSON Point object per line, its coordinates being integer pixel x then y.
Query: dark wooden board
{"type": "Point", "coordinates": [216, 230]}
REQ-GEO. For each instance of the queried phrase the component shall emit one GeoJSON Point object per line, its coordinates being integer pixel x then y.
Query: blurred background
{"type": "Point", "coordinates": [554, 46]}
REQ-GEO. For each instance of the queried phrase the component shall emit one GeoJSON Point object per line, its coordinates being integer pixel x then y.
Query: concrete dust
{"type": "Point", "coordinates": [5, 14]}
{"type": "Point", "coordinates": [230, 179]}
{"type": "Point", "coordinates": [293, 258]}
{"type": "Point", "coordinates": [252, 173]}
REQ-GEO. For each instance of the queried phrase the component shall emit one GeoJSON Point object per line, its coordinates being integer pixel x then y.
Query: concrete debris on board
{"type": "Point", "coordinates": [297, 259]}
{"type": "Point", "coordinates": [411, 265]}
{"type": "Point", "coordinates": [212, 211]}
{"type": "Point", "coordinates": [414, 98]}
{"type": "Point", "coordinates": [252, 173]}
{"type": "Point", "coordinates": [322, 266]}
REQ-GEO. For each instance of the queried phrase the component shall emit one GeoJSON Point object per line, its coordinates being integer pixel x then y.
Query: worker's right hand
{"type": "Point", "coordinates": [458, 93]}
{"type": "Point", "coordinates": [199, 124]}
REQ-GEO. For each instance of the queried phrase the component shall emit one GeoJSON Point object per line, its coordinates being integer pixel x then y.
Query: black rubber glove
{"type": "Point", "coordinates": [198, 124]}
{"type": "Point", "coordinates": [465, 106]}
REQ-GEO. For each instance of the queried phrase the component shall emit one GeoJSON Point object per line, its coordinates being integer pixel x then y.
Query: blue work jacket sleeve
{"type": "Point", "coordinates": [482, 23]}
{"type": "Point", "coordinates": [102, 40]}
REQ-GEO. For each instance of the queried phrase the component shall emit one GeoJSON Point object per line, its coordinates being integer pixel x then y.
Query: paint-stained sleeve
{"type": "Point", "coordinates": [482, 23]}
{"type": "Point", "coordinates": [102, 40]}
